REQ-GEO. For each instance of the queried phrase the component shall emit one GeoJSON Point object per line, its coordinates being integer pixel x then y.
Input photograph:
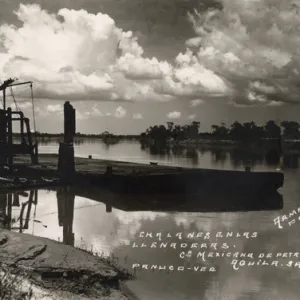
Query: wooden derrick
{"type": "Point", "coordinates": [8, 148]}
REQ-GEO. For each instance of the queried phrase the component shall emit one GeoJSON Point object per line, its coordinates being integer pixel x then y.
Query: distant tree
{"type": "Point", "coordinates": [237, 130]}
{"type": "Point", "coordinates": [272, 130]}
{"type": "Point", "coordinates": [291, 129]}
{"type": "Point", "coordinates": [220, 131]}
{"type": "Point", "coordinates": [170, 126]}
{"type": "Point", "coordinates": [106, 133]}
{"type": "Point", "coordinates": [195, 126]}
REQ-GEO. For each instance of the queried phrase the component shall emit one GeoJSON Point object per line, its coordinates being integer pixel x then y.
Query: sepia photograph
{"type": "Point", "coordinates": [149, 149]}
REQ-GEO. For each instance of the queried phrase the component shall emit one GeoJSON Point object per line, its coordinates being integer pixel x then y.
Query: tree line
{"type": "Point", "coordinates": [236, 131]}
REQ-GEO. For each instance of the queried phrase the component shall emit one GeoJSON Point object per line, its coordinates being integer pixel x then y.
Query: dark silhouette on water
{"type": "Point", "coordinates": [206, 202]}
{"type": "Point", "coordinates": [212, 202]}
{"type": "Point", "coordinates": [65, 207]}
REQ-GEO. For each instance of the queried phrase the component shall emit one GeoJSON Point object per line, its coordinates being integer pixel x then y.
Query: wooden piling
{"type": "Point", "coordinates": [66, 159]}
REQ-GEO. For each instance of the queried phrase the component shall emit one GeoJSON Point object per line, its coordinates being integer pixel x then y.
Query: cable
{"type": "Point", "coordinates": [33, 112]}
{"type": "Point", "coordinates": [75, 208]}
{"type": "Point", "coordinates": [13, 96]}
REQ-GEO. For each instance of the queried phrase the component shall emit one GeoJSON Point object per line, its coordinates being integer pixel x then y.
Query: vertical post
{"type": "Point", "coordinates": [4, 99]}
{"type": "Point", "coordinates": [66, 158]}
{"type": "Point", "coordinates": [69, 123]}
{"type": "Point", "coordinates": [36, 154]}
{"type": "Point", "coordinates": [9, 136]}
{"type": "Point", "coordinates": [35, 197]}
{"type": "Point", "coordinates": [16, 201]}
{"type": "Point", "coordinates": [22, 128]}
{"type": "Point", "coordinates": [3, 135]}
{"type": "Point", "coordinates": [30, 201]}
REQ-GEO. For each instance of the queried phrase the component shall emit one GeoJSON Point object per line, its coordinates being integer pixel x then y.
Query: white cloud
{"type": "Point", "coordinates": [174, 115]}
{"type": "Point", "coordinates": [54, 108]}
{"type": "Point", "coordinates": [275, 103]}
{"type": "Point", "coordinates": [24, 105]}
{"type": "Point", "coordinates": [196, 102]}
{"type": "Point", "coordinates": [82, 56]}
{"type": "Point", "coordinates": [263, 59]}
{"type": "Point", "coordinates": [192, 117]}
{"type": "Point", "coordinates": [92, 112]}
{"type": "Point", "coordinates": [72, 54]}
{"type": "Point", "coordinates": [142, 68]}
{"type": "Point", "coordinates": [120, 112]}
{"type": "Point", "coordinates": [137, 116]}
{"type": "Point", "coordinates": [95, 112]}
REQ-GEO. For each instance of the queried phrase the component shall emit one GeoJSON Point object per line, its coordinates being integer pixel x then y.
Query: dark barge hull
{"type": "Point", "coordinates": [135, 178]}
{"type": "Point", "coordinates": [192, 181]}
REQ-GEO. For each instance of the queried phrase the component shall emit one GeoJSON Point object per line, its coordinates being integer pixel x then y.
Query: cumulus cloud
{"type": "Point", "coordinates": [196, 102]}
{"type": "Point", "coordinates": [137, 116]}
{"type": "Point", "coordinates": [77, 55]}
{"type": "Point", "coordinates": [192, 117]}
{"type": "Point", "coordinates": [253, 64]}
{"type": "Point", "coordinates": [83, 56]}
{"type": "Point", "coordinates": [24, 105]}
{"type": "Point", "coordinates": [120, 112]}
{"type": "Point", "coordinates": [174, 115]}
{"type": "Point", "coordinates": [54, 108]}
{"type": "Point", "coordinates": [143, 68]}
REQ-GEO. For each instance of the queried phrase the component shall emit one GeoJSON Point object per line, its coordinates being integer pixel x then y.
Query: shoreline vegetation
{"type": "Point", "coordinates": [190, 133]}
{"type": "Point", "coordinates": [246, 136]}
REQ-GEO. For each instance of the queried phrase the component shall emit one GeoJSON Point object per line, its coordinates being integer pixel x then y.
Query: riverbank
{"type": "Point", "coordinates": [59, 268]}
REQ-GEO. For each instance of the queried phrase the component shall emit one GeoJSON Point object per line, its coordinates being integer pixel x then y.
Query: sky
{"type": "Point", "coordinates": [128, 64]}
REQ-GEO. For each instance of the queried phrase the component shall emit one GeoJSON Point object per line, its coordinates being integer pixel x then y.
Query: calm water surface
{"type": "Point", "coordinates": [84, 221]}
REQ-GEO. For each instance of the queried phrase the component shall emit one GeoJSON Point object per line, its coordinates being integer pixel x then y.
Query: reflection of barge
{"type": "Point", "coordinates": [200, 202]}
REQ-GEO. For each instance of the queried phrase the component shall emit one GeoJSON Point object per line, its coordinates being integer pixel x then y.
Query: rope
{"type": "Point", "coordinates": [13, 96]}
{"type": "Point", "coordinates": [33, 112]}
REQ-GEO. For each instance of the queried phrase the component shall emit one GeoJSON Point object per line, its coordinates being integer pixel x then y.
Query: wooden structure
{"type": "Point", "coordinates": [66, 159]}
{"type": "Point", "coordinates": [8, 147]}
{"type": "Point", "coordinates": [10, 200]}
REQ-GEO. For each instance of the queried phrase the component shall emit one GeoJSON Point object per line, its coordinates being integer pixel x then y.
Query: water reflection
{"type": "Point", "coordinates": [16, 215]}
{"type": "Point", "coordinates": [237, 158]}
{"type": "Point", "coordinates": [65, 207]}
{"type": "Point", "coordinates": [112, 223]}
{"type": "Point", "coordinates": [179, 155]}
{"type": "Point", "coordinates": [65, 196]}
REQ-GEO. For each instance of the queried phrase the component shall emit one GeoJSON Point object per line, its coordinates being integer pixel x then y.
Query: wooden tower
{"type": "Point", "coordinates": [8, 148]}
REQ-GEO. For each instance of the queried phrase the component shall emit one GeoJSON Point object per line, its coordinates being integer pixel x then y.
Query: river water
{"type": "Point", "coordinates": [189, 242]}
